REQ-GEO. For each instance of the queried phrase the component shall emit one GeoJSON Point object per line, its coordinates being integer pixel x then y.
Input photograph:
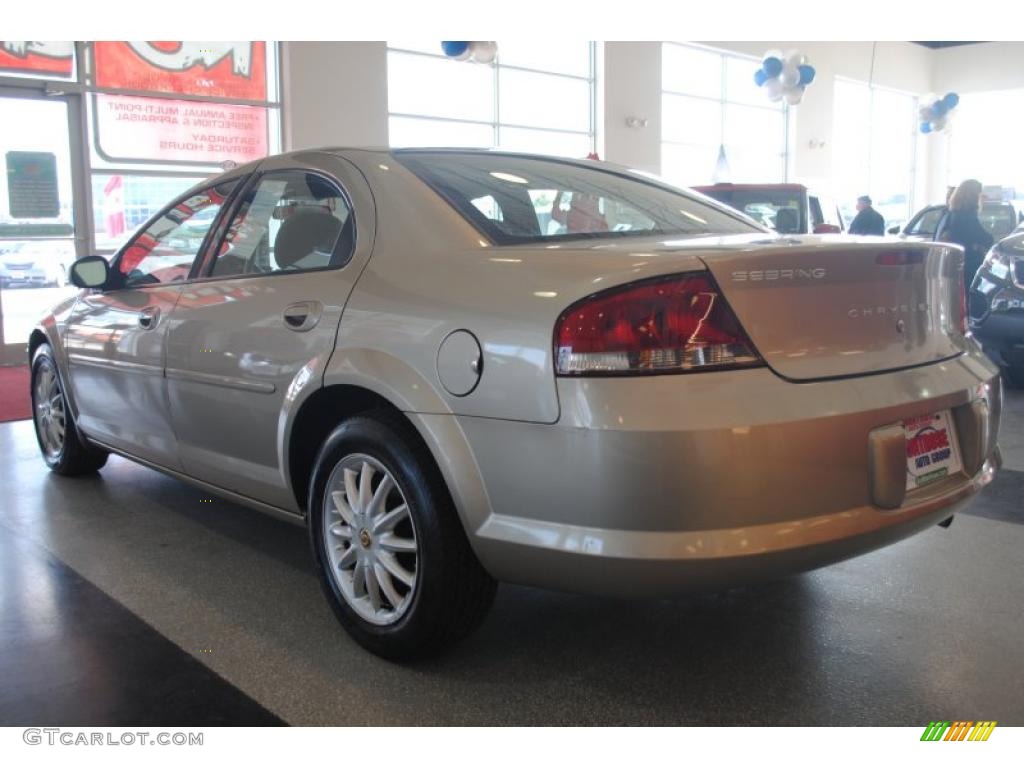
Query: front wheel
{"type": "Point", "coordinates": [393, 559]}
{"type": "Point", "coordinates": [63, 450]}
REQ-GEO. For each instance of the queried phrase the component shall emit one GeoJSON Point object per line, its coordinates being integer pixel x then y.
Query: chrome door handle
{"type": "Point", "coordinates": [149, 317]}
{"type": "Point", "coordinates": [302, 316]}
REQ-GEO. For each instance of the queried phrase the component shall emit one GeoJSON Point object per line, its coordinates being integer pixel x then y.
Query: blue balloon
{"type": "Point", "coordinates": [760, 77]}
{"type": "Point", "coordinates": [939, 108]}
{"type": "Point", "coordinates": [950, 100]}
{"type": "Point", "coordinates": [807, 73]}
{"type": "Point", "coordinates": [454, 47]}
{"type": "Point", "coordinates": [926, 127]}
{"type": "Point", "coordinates": [772, 66]}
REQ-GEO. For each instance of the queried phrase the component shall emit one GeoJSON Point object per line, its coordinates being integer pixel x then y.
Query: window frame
{"type": "Point", "coordinates": [496, 124]}
{"type": "Point", "coordinates": [202, 272]}
{"type": "Point", "coordinates": [912, 128]}
{"type": "Point", "coordinates": [723, 103]}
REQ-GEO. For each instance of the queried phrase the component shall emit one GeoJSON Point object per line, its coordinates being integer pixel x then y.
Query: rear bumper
{"type": "Point", "coordinates": [670, 484]}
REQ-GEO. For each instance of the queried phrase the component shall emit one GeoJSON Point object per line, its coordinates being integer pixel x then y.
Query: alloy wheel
{"type": "Point", "coordinates": [370, 539]}
{"type": "Point", "coordinates": [51, 420]}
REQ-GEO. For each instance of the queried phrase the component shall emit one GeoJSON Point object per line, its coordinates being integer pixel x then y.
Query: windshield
{"type": "Point", "coordinates": [780, 209]}
{"type": "Point", "coordinates": [516, 199]}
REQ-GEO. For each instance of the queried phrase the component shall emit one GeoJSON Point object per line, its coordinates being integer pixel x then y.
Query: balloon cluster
{"type": "Point", "coordinates": [934, 112]}
{"type": "Point", "coordinates": [785, 76]}
{"type": "Point", "coordinates": [482, 51]}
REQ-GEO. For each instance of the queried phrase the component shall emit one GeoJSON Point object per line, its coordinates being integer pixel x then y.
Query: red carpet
{"type": "Point", "coordinates": [15, 402]}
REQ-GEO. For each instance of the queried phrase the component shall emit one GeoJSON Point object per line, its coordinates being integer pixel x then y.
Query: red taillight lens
{"type": "Point", "coordinates": [667, 325]}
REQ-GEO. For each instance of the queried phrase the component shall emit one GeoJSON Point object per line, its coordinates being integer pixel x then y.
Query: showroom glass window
{"type": "Point", "coordinates": [533, 98]}
{"type": "Point", "coordinates": [978, 150]}
{"type": "Point", "coordinates": [709, 101]}
{"type": "Point", "coordinates": [164, 115]}
{"type": "Point", "coordinates": [874, 146]}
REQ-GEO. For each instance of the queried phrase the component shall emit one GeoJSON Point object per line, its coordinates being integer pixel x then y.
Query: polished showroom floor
{"type": "Point", "coordinates": [126, 598]}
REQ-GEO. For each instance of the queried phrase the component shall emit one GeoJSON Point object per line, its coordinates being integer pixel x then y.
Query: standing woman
{"type": "Point", "coordinates": [964, 228]}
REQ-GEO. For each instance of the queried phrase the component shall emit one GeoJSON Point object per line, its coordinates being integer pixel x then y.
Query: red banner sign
{"type": "Point", "coordinates": [137, 129]}
{"type": "Point", "coordinates": [53, 58]}
{"type": "Point", "coordinates": [232, 70]}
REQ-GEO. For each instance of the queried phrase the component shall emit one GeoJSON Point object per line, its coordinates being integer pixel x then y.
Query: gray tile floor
{"type": "Point", "coordinates": [930, 628]}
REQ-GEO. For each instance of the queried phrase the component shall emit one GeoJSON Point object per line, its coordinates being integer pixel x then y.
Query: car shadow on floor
{"type": "Point", "coordinates": [810, 649]}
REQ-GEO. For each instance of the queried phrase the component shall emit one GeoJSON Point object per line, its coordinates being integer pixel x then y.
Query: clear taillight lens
{"type": "Point", "coordinates": [667, 325]}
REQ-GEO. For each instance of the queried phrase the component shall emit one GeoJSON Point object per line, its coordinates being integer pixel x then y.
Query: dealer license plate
{"type": "Point", "coordinates": [932, 449]}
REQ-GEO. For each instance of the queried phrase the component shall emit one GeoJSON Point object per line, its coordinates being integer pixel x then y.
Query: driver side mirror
{"type": "Point", "coordinates": [90, 272]}
{"type": "Point", "coordinates": [894, 230]}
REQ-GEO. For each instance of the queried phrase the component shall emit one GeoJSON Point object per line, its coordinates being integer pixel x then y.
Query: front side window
{"type": "Point", "coordinates": [290, 221]}
{"type": "Point", "coordinates": [516, 199]}
{"type": "Point", "coordinates": [165, 251]}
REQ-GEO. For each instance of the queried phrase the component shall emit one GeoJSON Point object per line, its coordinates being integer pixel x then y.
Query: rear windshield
{"type": "Point", "coordinates": [514, 199]}
{"type": "Point", "coordinates": [780, 209]}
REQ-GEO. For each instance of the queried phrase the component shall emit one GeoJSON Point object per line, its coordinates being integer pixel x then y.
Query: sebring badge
{"type": "Point", "coordinates": [765, 275]}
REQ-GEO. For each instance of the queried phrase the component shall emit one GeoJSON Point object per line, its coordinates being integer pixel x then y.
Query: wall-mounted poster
{"type": "Point", "coordinates": [137, 129]}
{"type": "Point", "coordinates": [37, 58]}
{"type": "Point", "coordinates": [230, 70]}
{"type": "Point", "coordinates": [32, 185]}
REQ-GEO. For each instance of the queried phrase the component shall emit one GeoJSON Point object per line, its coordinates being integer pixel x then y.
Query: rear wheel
{"type": "Point", "coordinates": [63, 450]}
{"type": "Point", "coordinates": [393, 559]}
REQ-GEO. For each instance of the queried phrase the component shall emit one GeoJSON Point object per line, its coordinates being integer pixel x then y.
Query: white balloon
{"type": "Point", "coordinates": [794, 95]}
{"type": "Point", "coordinates": [484, 51]}
{"type": "Point", "coordinates": [793, 58]}
{"type": "Point", "coordinates": [774, 89]}
{"type": "Point", "coordinates": [790, 76]}
{"type": "Point", "coordinates": [925, 114]}
{"type": "Point", "coordinates": [939, 123]}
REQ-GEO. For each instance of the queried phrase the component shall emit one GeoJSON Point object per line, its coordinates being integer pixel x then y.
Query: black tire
{"type": "Point", "coordinates": [452, 591]}
{"type": "Point", "coordinates": [75, 457]}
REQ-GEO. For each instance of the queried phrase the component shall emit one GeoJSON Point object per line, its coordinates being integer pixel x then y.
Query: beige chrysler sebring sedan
{"type": "Point", "coordinates": [463, 367]}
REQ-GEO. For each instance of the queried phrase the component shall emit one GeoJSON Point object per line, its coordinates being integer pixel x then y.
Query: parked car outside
{"type": "Point", "coordinates": [997, 306]}
{"type": "Point", "coordinates": [461, 367]}
{"type": "Point", "coordinates": [36, 263]}
{"type": "Point", "coordinates": [789, 209]}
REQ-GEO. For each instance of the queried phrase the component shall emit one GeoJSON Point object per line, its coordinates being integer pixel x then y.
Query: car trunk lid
{"type": "Point", "coordinates": [819, 308]}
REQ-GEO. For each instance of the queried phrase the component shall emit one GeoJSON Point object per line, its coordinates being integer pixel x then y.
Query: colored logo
{"type": "Point", "coordinates": [961, 730]}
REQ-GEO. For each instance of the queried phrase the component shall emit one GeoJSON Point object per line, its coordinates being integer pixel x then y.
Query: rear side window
{"type": "Point", "coordinates": [164, 252]}
{"type": "Point", "coordinates": [516, 199]}
{"type": "Point", "coordinates": [289, 221]}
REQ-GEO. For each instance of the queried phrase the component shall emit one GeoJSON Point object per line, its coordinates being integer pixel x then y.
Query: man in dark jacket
{"type": "Point", "coordinates": [868, 221]}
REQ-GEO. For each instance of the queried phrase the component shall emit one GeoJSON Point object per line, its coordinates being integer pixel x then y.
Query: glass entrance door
{"type": "Point", "coordinates": [37, 222]}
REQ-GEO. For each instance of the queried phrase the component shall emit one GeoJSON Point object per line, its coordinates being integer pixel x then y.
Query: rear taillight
{"type": "Point", "coordinates": [667, 325]}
